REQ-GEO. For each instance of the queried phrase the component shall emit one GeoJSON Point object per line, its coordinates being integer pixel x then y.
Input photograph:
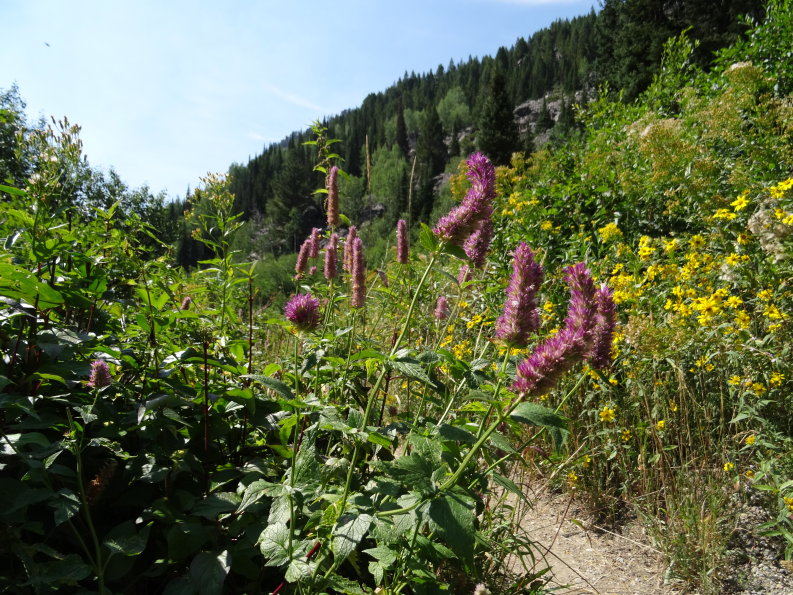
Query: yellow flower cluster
{"type": "Point", "coordinates": [779, 190]}
{"type": "Point", "coordinates": [646, 249]}
{"type": "Point", "coordinates": [609, 232]}
{"type": "Point", "coordinates": [607, 414]}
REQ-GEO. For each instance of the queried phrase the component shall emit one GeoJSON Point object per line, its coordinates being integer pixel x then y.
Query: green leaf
{"type": "Point", "coordinates": [453, 516]}
{"type": "Point", "coordinates": [253, 493]}
{"type": "Point", "coordinates": [67, 571]}
{"type": "Point", "coordinates": [125, 540]}
{"type": "Point", "coordinates": [208, 572]}
{"type": "Point", "coordinates": [347, 534]}
{"type": "Point", "coordinates": [12, 190]}
{"type": "Point", "coordinates": [455, 434]}
{"type": "Point", "coordinates": [216, 504]}
{"type": "Point", "coordinates": [66, 505]}
{"type": "Point", "coordinates": [427, 239]}
{"type": "Point", "coordinates": [273, 384]}
{"type": "Point", "coordinates": [273, 544]}
{"type": "Point", "coordinates": [509, 485]}
{"type": "Point", "coordinates": [411, 369]}
{"type": "Point", "coordinates": [537, 415]}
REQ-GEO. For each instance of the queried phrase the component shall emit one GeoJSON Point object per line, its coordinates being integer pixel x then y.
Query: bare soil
{"type": "Point", "coordinates": [588, 559]}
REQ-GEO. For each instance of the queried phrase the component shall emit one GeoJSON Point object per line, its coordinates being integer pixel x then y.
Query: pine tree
{"type": "Point", "coordinates": [498, 134]}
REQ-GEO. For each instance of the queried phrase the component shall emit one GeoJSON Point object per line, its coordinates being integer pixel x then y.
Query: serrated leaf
{"type": "Point", "coordinates": [273, 544]}
{"type": "Point", "coordinates": [208, 572]}
{"type": "Point", "coordinates": [253, 493]}
{"type": "Point", "coordinates": [453, 516]}
{"type": "Point", "coordinates": [427, 239]}
{"type": "Point", "coordinates": [273, 384]}
{"type": "Point", "coordinates": [124, 539]}
{"type": "Point", "coordinates": [67, 571]}
{"type": "Point", "coordinates": [538, 415]}
{"type": "Point", "coordinates": [347, 534]}
{"type": "Point", "coordinates": [66, 505]}
{"type": "Point", "coordinates": [410, 369]}
{"type": "Point", "coordinates": [455, 434]}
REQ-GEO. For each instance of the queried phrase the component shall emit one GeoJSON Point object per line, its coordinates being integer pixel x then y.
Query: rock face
{"type": "Point", "coordinates": [529, 115]}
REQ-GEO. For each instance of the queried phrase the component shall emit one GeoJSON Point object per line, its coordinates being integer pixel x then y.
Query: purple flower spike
{"type": "Point", "coordinates": [582, 309]}
{"type": "Point", "coordinates": [358, 275]}
{"type": "Point", "coordinates": [302, 258]}
{"type": "Point", "coordinates": [348, 248]}
{"type": "Point", "coordinates": [333, 197]}
{"type": "Point", "coordinates": [521, 317]}
{"type": "Point", "coordinates": [539, 373]}
{"type": "Point", "coordinates": [302, 310]}
{"type": "Point", "coordinates": [331, 254]}
{"type": "Point", "coordinates": [464, 219]}
{"type": "Point", "coordinates": [186, 303]}
{"type": "Point", "coordinates": [100, 374]}
{"type": "Point", "coordinates": [442, 308]}
{"type": "Point", "coordinates": [478, 243]}
{"type": "Point", "coordinates": [313, 243]}
{"type": "Point", "coordinates": [402, 242]}
{"type": "Point", "coordinates": [599, 355]}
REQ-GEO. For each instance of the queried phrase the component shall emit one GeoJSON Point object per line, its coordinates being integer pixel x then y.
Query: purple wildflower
{"type": "Point", "coordinates": [333, 197]}
{"type": "Point", "coordinates": [302, 258]}
{"type": "Point", "coordinates": [348, 248]}
{"type": "Point", "coordinates": [313, 243]}
{"type": "Point", "coordinates": [442, 308]}
{"type": "Point", "coordinates": [478, 242]}
{"type": "Point", "coordinates": [539, 373]}
{"type": "Point", "coordinates": [463, 219]}
{"type": "Point", "coordinates": [331, 254]}
{"type": "Point", "coordinates": [186, 303]}
{"type": "Point", "coordinates": [521, 317]}
{"type": "Point", "coordinates": [402, 242]}
{"type": "Point", "coordinates": [100, 374]}
{"type": "Point", "coordinates": [599, 355]}
{"type": "Point", "coordinates": [312, 270]}
{"type": "Point", "coordinates": [302, 310]}
{"type": "Point", "coordinates": [358, 274]}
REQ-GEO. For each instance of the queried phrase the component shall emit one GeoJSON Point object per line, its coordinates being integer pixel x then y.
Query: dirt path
{"type": "Point", "coordinates": [589, 560]}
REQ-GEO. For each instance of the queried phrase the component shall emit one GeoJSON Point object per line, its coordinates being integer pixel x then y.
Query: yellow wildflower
{"type": "Point", "coordinates": [546, 225]}
{"type": "Point", "coordinates": [696, 242]}
{"type": "Point", "coordinates": [607, 414]}
{"type": "Point", "coordinates": [750, 439]}
{"type": "Point", "coordinates": [776, 379]}
{"type": "Point", "coordinates": [729, 466]}
{"type": "Point", "coordinates": [741, 202]}
{"type": "Point", "coordinates": [734, 380]}
{"type": "Point", "coordinates": [626, 435]}
{"type": "Point", "coordinates": [660, 424]}
{"type": "Point", "coordinates": [609, 232]}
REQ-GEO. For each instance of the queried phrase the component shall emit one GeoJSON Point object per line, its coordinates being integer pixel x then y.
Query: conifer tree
{"type": "Point", "coordinates": [498, 134]}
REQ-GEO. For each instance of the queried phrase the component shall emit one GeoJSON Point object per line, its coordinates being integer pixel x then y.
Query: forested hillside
{"type": "Point", "coordinates": [437, 116]}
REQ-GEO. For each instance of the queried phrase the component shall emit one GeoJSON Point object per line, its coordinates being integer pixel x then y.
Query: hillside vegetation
{"type": "Point", "coordinates": [611, 312]}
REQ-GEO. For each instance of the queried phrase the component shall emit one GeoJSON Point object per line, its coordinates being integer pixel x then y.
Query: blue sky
{"type": "Point", "coordinates": [166, 91]}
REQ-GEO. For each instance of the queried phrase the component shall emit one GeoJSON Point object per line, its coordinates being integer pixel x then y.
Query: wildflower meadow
{"type": "Point", "coordinates": [610, 314]}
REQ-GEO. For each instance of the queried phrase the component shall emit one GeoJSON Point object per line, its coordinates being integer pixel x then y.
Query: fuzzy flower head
{"type": "Point", "coordinates": [540, 372]}
{"type": "Point", "coordinates": [100, 374]}
{"type": "Point", "coordinates": [358, 275]}
{"type": "Point", "coordinates": [313, 243]}
{"type": "Point", "coordinates": [302, 310]}
{"type": "Point", "coordinates": [186, 303]}
{"type": "Point", "coordinates": [478, 243]}
{"type": "Point", "coordinates": [331, 255]}
{"type": "Point", "coordinates": [348, 248]}
{"type": "Point", "coordinates": [521, 317]}
{"type": "Point", "coordinates": [302, 258]}
{"type": "Point", "coordinates": [442, 308]}
{"type": "Point", "coordinates": [477, 205]}
{"type": "Point", "coordinates": [333, 197]}
{"type": "Point", "coordinates": [599, 355]}
{"type": "Point", "coordinates": [402, 242]}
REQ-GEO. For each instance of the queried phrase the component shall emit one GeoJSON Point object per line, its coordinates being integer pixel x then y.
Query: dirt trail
{"type": "Point", "coordinates": [590, 560]}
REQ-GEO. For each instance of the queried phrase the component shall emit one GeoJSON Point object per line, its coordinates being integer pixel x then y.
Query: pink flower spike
{"type": "Point", "coordinates": [100, 374]}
